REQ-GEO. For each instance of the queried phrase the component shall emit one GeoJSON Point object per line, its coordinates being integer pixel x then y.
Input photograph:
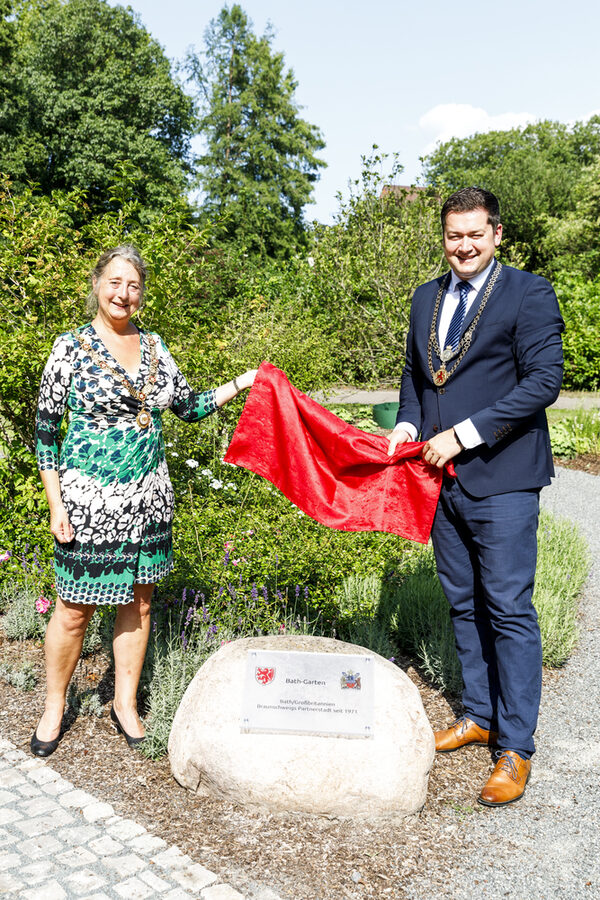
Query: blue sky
{"type": "Point", "coordinates": [404, 75]}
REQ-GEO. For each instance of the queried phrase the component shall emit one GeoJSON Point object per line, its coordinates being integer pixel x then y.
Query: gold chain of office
{"type": "Point", "coordinates": [442, 374]}
{"type": "Point", "coordinates": [143, 418]}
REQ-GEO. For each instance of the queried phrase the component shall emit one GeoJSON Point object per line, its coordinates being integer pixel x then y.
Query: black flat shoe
{"type": "Point", "coordinates": [43, 748]}
{"type": "Point", "coordinates": [133, 742]}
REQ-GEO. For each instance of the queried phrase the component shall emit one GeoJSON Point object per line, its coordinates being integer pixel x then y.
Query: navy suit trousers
{"type": "Point", "coordinates": [486, 551]}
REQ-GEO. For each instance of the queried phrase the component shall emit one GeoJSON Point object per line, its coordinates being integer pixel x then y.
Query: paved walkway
{"type": "Point", "coordinates": [370, 398]}
{"type": "Point", "coordinates": [57, 842]}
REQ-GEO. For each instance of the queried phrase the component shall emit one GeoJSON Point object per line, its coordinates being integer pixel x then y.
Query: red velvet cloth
{"type": "Point", "coordinates": [334, 472]}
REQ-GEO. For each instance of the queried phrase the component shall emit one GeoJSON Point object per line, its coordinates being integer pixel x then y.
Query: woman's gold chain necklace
{"type": "Point", "coordinates": [143, 418]}
{"type": "Point", "coordinates": [442, 375]}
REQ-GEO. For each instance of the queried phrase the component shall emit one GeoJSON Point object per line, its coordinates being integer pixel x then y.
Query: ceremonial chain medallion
{"type": "Point", "coordinates": [441, 376]}
{"type": "Point", "coordinates": [144, 417]}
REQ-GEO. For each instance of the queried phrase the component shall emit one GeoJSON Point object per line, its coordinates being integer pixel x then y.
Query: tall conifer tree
{"type": "Point", "coordinates": [259, 167]}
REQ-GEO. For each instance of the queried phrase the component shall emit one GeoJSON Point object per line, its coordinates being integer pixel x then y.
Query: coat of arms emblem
{"type": "Point", "coordinates": [264, 674]}
{"type": "Point", "coordinates": [350, 680]}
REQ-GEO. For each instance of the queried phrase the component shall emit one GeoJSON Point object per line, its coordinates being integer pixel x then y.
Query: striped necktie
{"type": "Point", "coordinates": [455, 327]}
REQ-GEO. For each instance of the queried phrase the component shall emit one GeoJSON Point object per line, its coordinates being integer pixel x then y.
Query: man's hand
{"type": "Point", "coordinates": [440, 449]}
{"type": "Point", "coordinates": [397, 437]}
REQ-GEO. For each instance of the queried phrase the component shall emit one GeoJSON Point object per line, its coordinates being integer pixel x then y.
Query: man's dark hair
{"type": "Point", "coordinates": [471, 198]}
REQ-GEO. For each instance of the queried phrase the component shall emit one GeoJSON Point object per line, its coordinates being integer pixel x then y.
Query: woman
{"type": "Point", "coordinates": [110, 497]}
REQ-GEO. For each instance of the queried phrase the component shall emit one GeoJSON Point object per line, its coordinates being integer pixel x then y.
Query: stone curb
{"type": "Point", "coordinates": [57, 842]}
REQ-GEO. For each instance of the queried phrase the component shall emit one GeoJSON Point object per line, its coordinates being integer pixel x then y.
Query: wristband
{"type": "Point", "coordinates": [236, 386]}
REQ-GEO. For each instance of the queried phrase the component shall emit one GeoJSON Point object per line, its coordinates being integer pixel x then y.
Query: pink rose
{"type": "Point", "coordinates": [42, 604]}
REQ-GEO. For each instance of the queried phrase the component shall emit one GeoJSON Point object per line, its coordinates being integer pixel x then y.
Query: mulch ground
{"type": "Point", "coordinates": [298, 856]}
{"type": "Point", "coordinates": [587, 462]}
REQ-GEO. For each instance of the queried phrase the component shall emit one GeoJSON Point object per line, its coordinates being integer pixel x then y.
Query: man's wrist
{"type": "Point", "coordinates": [458, 440]}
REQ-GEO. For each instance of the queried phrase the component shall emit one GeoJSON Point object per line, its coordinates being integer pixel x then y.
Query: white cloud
{"type": "Point", "coordinates": [448, 120]}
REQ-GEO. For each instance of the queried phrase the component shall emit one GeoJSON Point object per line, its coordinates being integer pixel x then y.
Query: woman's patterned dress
{"type": "Point", "coordinates": [113, 474]}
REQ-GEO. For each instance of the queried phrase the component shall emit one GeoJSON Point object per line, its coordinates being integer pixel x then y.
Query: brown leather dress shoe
{"type": "Point", "coordinates": [507, 781]}
{"type": "Point", "coordinates": [463, 731]}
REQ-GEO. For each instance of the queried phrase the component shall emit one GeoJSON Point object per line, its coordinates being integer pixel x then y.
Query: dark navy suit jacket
{"type": "Point", "coordinates": [511, 372]}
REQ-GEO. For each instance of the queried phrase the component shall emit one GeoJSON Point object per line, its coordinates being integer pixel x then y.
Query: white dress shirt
{"type": "Point", "coordinates": [466, 431]}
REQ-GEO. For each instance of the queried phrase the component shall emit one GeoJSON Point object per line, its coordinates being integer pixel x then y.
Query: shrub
{"type": "Point", "coordinates": [580, 305]}
{"type": "Point", "coordinates": [575, 433]}
{"type": "Point", "coordinates": [21, 619]}
{"type": "Point", "coordinates": [25, 678]}
{"type": "Point", "coordinates": [562, 568]}
{"type": "Point", "coordinates": [412, 612]}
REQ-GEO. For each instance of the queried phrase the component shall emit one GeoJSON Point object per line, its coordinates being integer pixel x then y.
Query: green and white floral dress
{"type": "Point", "coordinates": [113, 474]}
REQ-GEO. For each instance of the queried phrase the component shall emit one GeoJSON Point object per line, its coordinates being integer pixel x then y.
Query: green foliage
{"type": "Point", "coordinates": [367, 266]}
{"type": "Point", "coordinates": [218, 312]}
{"type": "Point", "coordinates": [25, 678]}
{"type": "Point", "coordinates": [84, 702]}
{"type": "Point", "coordinates": [21, 619]}
{"type": "Point", "coordinates": [576, 433]}
{"type": "Point", "coordinates": [270, 543]}
{"type": "Point", "coordinates": [562, 568]}
{"type": "Point", "coordinates": [419, 620]}
{"type": "Point", "coordinates": [85, 88]}
{"type": "Point", "coordinates": [259, 167]}
{"type": "Point", "coordinates": [571, 243]}
{"type": "Point", "coordinates": [579, 300]}
{"type": "Point", "coordinates": [357, 414]}
{"type": "Point", "coordinates": [533, 171]}
{"type": "Point", "coordinates": [406, 608]}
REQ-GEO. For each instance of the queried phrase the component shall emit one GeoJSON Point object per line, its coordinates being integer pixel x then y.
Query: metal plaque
{"type": "Point", "coordinates": [308, 693]}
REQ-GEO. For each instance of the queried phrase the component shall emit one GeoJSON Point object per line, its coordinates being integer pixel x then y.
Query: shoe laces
{"type": "Point", "coordinates": [507, 764]}
{"type": "Point", "coordinates": [462, 723]}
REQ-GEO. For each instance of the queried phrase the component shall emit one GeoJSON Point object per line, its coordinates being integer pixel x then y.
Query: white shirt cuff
{"type": "Point", "coordinates": [409, 428]}
{"type": "Point", "coordinates": [468, 434]}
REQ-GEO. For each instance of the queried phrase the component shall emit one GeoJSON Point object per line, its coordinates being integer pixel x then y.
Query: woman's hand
{"type": "Point", "coordinates": [247, 379]}
{"type": "Point", "coordinates": [60, 526]}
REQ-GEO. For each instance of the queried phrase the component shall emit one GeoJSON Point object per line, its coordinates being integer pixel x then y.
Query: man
{"type": "Point", "coordinates": [483, 360]}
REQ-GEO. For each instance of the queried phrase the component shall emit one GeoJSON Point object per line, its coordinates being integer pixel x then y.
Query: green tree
{"type": "Point", "coordinates": [533, 171]}
{"type": "Point", "coordinates": [572, 242]}
{"type": "Point", "coordinates": [367, 266]}
{"type": "Point", "coordinates": [85, 88]}
{"type": "Point", "coordinates": [259, 167]}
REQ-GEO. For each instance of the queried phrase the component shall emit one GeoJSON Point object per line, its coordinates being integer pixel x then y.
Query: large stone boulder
{"type": "Point", "coordinates": [382, 775]}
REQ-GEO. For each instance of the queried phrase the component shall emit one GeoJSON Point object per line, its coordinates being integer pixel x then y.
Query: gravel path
{"type": "Point", "coordinates": [546, 846]}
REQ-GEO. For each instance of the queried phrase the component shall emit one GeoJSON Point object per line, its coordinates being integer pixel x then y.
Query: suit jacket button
{"type": "Point", "coordinates": [441, 390]}
{"type": "Point", "coordinates": [435, 428]}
